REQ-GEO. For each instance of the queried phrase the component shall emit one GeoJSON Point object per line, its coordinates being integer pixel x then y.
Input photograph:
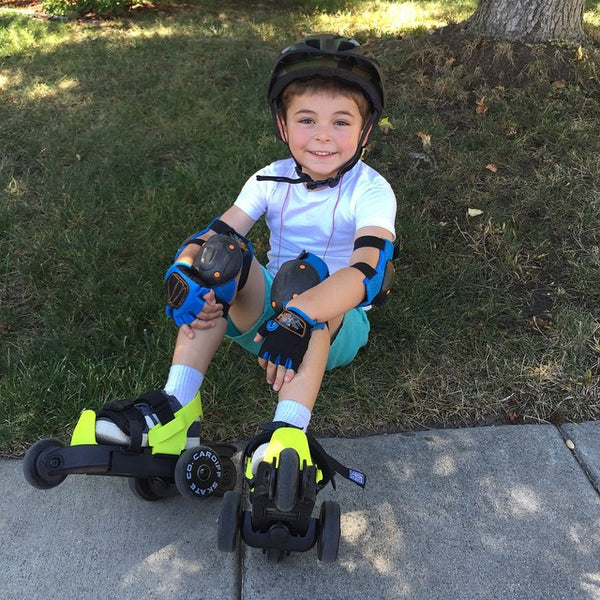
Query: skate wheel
{"type": "Point", "coordinates": [40, 470]}
{"type": "Point", "coordinates": [151, 488]}
{"type": "Point", "coordinates": [229, 477]}
{"type": "Point", "coordinates": [328, 542]}
{"type": "Point", "coordinates": [286, 487]}
{"type": "Point", "coordinates": [198, 472]}
{"type": "Point", "coordinates": [229, 521]}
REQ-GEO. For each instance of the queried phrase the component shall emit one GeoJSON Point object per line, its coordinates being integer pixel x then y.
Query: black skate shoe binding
{"type": "Point", "coordinates": [128, 423]}
{"type": "Point", "coordinates": [283, 484]}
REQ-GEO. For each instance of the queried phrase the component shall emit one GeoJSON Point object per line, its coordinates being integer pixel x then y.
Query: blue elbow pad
{"type": "Point", "coordinates": [378, 280]}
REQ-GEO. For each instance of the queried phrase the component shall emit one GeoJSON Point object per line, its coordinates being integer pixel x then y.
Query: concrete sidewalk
{"type": "Point", "coordinates": [496, 512]}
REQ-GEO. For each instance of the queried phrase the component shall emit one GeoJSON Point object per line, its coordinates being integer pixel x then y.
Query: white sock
{"type": "Point", "coordinates": [294, 413]}
{"type": "Point", "coordinates": [183, 383]}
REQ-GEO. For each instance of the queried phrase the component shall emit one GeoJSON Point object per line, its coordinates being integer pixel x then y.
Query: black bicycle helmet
{"type": "Point", "coordinates": [328, 56]}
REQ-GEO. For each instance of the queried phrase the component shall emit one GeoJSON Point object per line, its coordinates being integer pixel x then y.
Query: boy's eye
{"type": "Point", "coordinates": [341, 122]}
{"type": "Point", "coordinates": [306, 121]}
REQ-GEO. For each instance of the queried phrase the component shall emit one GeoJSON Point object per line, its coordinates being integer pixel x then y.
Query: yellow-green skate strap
{"type": "Point", "coordinates": [170, 438]}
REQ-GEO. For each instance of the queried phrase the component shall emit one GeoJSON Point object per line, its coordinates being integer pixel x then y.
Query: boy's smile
{"type": "Point", "coordinates": [322, 131]}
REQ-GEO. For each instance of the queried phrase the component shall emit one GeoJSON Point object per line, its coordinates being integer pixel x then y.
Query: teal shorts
{"type": "Point", "coordinates": [351, 336]}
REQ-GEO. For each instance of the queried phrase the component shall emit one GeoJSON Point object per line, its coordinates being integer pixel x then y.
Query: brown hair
{"type": "Point", "coordinates": [328, 86]}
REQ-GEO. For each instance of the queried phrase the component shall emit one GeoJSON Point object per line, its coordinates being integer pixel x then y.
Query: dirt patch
{"type": "Point", "coordinates": [492, 63]}
{"type": "Point", "coordinates": [511, 64]}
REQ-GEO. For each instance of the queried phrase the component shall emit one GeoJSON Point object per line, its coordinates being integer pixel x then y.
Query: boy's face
{"type": "Point", "coordinates": [322, 132]}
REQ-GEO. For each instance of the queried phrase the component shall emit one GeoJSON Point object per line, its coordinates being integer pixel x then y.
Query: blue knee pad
{"type": "Point", "coordinates": [296, 276]}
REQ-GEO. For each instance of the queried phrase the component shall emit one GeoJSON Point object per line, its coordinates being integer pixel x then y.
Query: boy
{"type": "Point", "coordinates": [331, 221]}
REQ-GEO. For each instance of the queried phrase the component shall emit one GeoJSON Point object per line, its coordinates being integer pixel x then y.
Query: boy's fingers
{"type": "Point", "coordinates": [277, 375]}
{"type": "Point", "coordinates": [209, 297]}
{"type": "Point", "coordinates": [188, 331]}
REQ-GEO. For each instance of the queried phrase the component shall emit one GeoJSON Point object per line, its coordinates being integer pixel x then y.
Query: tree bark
{"type": "Point", "coordinates": [531, 21]}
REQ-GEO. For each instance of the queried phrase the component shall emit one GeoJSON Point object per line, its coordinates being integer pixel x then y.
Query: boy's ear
{"type": "Point", "coordinates": [367, 137]}
{"type": "Point", "coordinates": [281, 126]}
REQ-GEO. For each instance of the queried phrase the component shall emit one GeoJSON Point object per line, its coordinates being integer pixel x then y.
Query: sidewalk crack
{"type": "Point", "coordinates": [579, 459]}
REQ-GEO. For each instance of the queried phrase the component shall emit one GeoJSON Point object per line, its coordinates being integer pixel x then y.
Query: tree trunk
{"type": "Point", "coordinates": [531, 21]}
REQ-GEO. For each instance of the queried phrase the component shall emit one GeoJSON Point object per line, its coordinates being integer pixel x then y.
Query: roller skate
{"type": "Point", "coordinates": [284, 469]}
{"type": "Point", "coordinates": [153, 441]}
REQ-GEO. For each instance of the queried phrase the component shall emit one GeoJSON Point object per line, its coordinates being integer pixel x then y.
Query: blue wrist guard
{"type": "Point", "coordinates": [185, 294]}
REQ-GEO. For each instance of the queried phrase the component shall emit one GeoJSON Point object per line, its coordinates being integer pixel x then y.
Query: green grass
{"type": "Point", "coordinates": [119, 138]}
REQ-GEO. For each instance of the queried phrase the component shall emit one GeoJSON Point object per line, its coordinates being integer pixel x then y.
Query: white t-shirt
{"type": "Point", "coordinates": [322, 221]}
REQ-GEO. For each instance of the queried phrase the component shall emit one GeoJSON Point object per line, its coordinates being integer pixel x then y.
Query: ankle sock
{"type": "Point", "coordinates": [294, 413]}
{"type": "Point", "coordinates": [183, 383]}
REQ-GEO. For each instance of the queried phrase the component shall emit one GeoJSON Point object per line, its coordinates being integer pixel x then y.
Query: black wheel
{"type": "Point", "coordinates": [229, 521]}
{"type": "Point", "coordinates": [198, 472]}
{"type": "Point", "coordinates": [229, 476]}
{"type": "Point", "coordinates": [286, 486]}
{"type": "Point", "coordinates": [328, 542]}
{"type": "Point", "coordinates": [151, 488]}
{"type": "Point", "coordinates": [40, 470]}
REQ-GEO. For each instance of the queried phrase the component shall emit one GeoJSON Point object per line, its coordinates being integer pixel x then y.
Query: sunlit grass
{"type": "Point", "coordinates": [392, 18]}
{"type": "Point", "coordinates": [592, 16]}
{"type": "Point", "coordinates": [228, 20]}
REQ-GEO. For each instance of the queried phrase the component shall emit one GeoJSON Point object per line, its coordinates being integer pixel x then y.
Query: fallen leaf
{"type": "Point", "coordinates": [425, 139]}
{"type": "Point", "coordinates": [480, 106]}
{"type": "Point", "coordinates": [579, 55]}
{"type": "Point", "coordinates": [386, 125]}
{"type": "Point", "coordinates": [474, 212]}
{"type": "Point", "coordinates": [512, 415]}
{"type": "Point", "coordinates": [492, 167]}
{"type": "Point", "coordinates": [560, 83]}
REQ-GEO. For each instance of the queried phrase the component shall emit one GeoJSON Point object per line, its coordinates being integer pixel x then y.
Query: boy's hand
{"type": "Point", "coordinates": [276, 375]}
{"type": "Point", "coordinates": [286, 337]}
{"type": "Point", "coordinates": [207, 317]}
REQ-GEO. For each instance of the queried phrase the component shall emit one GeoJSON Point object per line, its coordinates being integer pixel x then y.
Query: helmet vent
{"type": "Point", "coordinates": [347, 45]}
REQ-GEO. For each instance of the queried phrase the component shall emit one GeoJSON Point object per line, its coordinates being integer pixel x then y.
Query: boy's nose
{"type": "Point", "coordinates": [323, 134]}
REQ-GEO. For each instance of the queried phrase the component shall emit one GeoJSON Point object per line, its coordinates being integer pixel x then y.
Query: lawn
{"type": "Point", "coordinates": [120, 137]}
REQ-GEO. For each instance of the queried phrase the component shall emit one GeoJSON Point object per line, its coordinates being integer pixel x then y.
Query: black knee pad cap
{"type": "Point", "coordinates": [219, 260]}
{"type": "Point", "coordinates": [296, 276]}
